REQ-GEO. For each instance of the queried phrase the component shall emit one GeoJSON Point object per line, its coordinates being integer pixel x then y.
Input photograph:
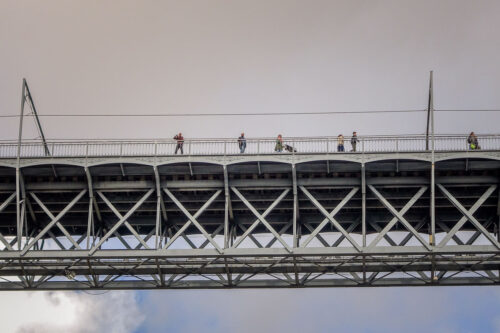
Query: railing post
{"type": "Point", "coordinates": [397, 145]}
{"type": "Point", "coordinates": [225, 144]}
{"type": "Point", "coordinates": [189, 147]}
{"type": "Point", "coordinates": [86, 149]}
{"type": "Point", "coordinates": [121, 149]}
{"type": "Point", "coordinates": [258, 147]}
{"type": "Point", "coordinates": [362, 145]}
{"type": "Point", "coordinates": [156, 148]}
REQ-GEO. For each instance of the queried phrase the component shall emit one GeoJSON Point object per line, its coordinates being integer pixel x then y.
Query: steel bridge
{"type": "Point", "coordinates": [132, 215]}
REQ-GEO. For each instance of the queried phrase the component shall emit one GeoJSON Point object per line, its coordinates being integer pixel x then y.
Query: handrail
{"type": "Point", "coordinates": [226, 146]}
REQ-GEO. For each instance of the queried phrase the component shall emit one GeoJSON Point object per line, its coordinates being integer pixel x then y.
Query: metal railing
{"type": "Point", "coordinates": [257, 146]}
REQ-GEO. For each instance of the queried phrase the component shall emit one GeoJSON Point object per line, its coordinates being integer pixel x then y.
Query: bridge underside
{"type": "Point", "coordinates": [194, 224]}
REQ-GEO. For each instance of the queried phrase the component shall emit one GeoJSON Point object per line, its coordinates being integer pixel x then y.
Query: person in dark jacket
{"type": "Point", "coordinates": [242, 143]}
{"type": "Point", "coordinates": [180, 143]}
{"type": "Point", "coordinates": [354, 141]}
{"type": "Point", "coordinates": [279, 144]}
{"type": "Point", "coordinates": [472, 141]}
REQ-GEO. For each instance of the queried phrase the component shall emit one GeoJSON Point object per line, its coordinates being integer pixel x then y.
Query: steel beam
{"type": "Point", "coordinates": [227, 202]}
{"type": "Point", "coordinates": [295, 207]}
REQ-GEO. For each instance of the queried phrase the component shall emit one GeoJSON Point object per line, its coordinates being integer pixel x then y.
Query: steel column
{"type": "Point", "coordinates": [363, 203]}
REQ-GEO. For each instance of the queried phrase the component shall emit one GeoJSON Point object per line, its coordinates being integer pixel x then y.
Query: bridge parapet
{"type": "Point", "coordinates": [257, 146]}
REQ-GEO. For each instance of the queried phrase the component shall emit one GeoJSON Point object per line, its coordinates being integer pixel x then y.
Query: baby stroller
{"type": "Point", "coordinates": [290, 149]}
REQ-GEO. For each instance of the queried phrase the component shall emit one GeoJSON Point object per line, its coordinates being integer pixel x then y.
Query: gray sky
{"type": "Point", "coordinates": [187, 56]}
{"type": "Point", "coordinates": [249, 56]}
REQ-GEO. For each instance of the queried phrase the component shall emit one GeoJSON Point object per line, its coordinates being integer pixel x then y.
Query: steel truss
{"type": "Point", "coordinates": [249, 233]}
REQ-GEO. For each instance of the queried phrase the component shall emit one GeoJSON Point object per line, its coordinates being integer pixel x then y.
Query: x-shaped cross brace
{"type": "Point", "coordinates": [192, 219]}
{"type": "Point", "coordinates": [399, 216]}
{"type": "Point", "coordinates": [330, 217]}
{"type": "Point", "coordinates": [262, 218]}
{"type": "Point", "coordinates": [126, 223]}
{"type": "Point", "coordinates": [2, 207]}
{"type": "Point", "coordinates": [55, 220]}
{"type": "Point", "coordinates": [468, 215]}
{"type": "Point", "coordinates": [58, 224]}
{"type": "Point", "coordinates": [407, 237]}
{"type": "Point", "coordinates": [259, 218]}
{"type": "Point", "coordinates": [121, 221]}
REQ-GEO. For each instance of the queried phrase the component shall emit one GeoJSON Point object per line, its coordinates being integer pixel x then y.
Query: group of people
{"type": "Point", "coordinates": [340, 142]}
{"type": "Point", "coordinates": [280, 146]}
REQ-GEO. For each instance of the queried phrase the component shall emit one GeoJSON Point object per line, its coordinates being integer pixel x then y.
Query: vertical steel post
{"type": "Point", "coordinates": [226, 208]}
{"type": "Point", "coordinates": [157, 226]}
{"type": "Point", "coordinates": [433, 190]}
{"type": "Point", "coordinates": [295, 206]}
{"type": "Point", "coordinates": [429, 107]}
{"type": "Point", "coordinates": [89, 223]}
{"type": "Point", "coordinates": [498, 223]}
{"type": "Point", "coordinates": [18, 165]}
{"type": "Point", "coordinates": [498, 215]}
{"type": "Point", "coordinates": [159, 201]}
{"type": "Point", "coordinates": [363, 203]}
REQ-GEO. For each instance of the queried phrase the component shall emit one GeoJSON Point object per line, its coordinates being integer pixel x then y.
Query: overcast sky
{"type": "Point", "coordinates": [136, 57]}
{"type": "Point", "coordinates": [125, 57]}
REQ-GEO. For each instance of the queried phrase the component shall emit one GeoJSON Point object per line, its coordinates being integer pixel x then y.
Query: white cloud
{"type": "Point", "coordinates": [43, 311]}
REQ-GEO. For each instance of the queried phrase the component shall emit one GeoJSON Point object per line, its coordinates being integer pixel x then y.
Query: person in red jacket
{"type": "Point", "coordinates": [180, 142]}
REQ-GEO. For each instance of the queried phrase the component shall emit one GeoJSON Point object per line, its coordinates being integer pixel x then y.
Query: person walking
{"type": "Point", "coordinates": [340, 143]}
{"type": "Point", "coordinates": [472, 141]}
{"type": "Point", "coordinates": [354, 141]}
{"type": "Point", "coordinates": [180, 142]}
{"type": "Point", "coordinates": [242, 143]}
{"type": "Point", "coordinates": [279, 144]}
